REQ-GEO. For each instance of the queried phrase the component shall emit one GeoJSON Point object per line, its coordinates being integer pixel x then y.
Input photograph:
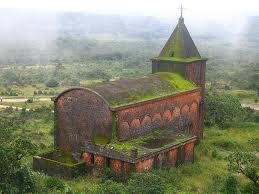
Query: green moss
{"type": "Point", "coordinates": [176, 81]}
{"type": "Point", "coordinates": [171, 83]}
{"type": "Point", "coordinates": [140, 142]}
{"type": "Point", "coordinates": [101, 139]}
{"type": "Point", "coordinates": [128, 145]}
{"type": "Point", "coordinates": [114, 128]}
{"type": "Point", "coordinates": [65, 158]}
{"type": "Point", "coordinates": [178, 59]}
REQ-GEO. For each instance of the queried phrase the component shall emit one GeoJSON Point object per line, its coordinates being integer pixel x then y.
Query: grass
{"type": "Point", "coordinates": [27, 91]}
{"type": "Point", "coordinates": [245, 96]}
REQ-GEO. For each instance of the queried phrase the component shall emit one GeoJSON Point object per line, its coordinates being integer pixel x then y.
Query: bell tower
{"type": "Point", "coordinates": [180, 55]}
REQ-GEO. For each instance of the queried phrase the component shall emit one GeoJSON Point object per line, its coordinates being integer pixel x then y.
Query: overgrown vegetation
{"type": "Point", "coordinates": [15, 177]}
{"type": "Point", "coordinates": [246, 164]}
{"type": "Point", "coordinates": [222, 110]}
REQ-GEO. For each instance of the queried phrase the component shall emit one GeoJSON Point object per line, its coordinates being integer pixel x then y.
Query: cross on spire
{"type": "Point", "coordinates": [181, 20]}
{"type": "Point", "coordinates": [182, 8]}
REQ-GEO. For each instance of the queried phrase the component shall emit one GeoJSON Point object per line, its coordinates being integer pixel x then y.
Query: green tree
{"type": "Point", "coordinates": [52, 83]}
{"type": "Point", "coordinates": [14, 177]}
{"type": "Point", "coordinates": [222, 110]}
{"type": "Point", "coordinates": [246, 164]}
{"type": "Point", "coordinates": [231, 185]}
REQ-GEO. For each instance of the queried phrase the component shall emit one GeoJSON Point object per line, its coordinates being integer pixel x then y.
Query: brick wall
{"type": "Point", "coordinates": [180, 111]}
{"type": "Point", "coordinates": [80, 115]}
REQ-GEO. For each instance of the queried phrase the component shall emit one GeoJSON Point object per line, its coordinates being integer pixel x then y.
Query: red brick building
{"type": "Point", "coordinates": [140, 123]}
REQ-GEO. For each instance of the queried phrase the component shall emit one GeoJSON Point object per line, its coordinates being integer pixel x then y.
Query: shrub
{"type": "Point", "coordinates": [214, 154]}
{"type": "Point", "coordinates": [250, 189]}
{"type": "Point", "coordinates": [226, 144]}
{"type": "Point", "coordinates": [30, 100]}
{"type": "Point", "coordinates": [20, 181]}
{"type": "Point", "coordinates": [98, 74]}
{"type": "Point", "coordinates": [52, 83]}
{"type": "Point", "coordinates": [74, 82]}
{"type": "Point", "coordinates": [14, 177]}
{"type": "Point", "coordinates": [55, 183]}
{"type": "Point", "coordinates": [251, 115]}
{"type": "Point", "coordinates": [145, 183]}
{"type": "Point", "coordinates": [217, 184]}
{"type": "Point", "coordinates": [254, 142]}
{"type": "Point", "coordinates": [9, 109]}
{"type": "Point", "coordinates": [222, 110]}
{"type": "Point", "coordinates": [231, 185]}
{"type": "Point", "coordinates": [111, 187]}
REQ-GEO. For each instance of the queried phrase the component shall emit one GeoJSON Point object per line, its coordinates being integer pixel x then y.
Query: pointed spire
{"type": "Point", "coordinates": [180, 44]}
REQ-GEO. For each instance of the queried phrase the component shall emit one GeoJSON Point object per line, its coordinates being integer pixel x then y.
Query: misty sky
{"type": "Point", "coordinates": [159, 8]}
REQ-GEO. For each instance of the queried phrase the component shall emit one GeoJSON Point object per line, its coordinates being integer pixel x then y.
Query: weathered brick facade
{"type": "Point", "coordinates": [81, 114]}
{"type": "Point", "coordinates": [180, 112]}
{"type": "Point", "coordinates": [173, 156]}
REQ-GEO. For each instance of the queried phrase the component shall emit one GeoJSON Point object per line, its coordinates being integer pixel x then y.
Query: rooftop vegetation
{"type": "Point", "coordinates": [152, 141]}
{"type": "Point", "coordinates": [181, 60]}
{"type": "Point", "coordinates": [124, 92]}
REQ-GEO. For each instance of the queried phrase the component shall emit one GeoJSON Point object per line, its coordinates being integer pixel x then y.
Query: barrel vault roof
{"type": "Point", "coordinates": [128, 91]}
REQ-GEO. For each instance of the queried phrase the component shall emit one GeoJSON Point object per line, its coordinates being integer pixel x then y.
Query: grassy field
{"type": "Point", "coordinates": [33, 105]}
{"type": "Point", "coordinates": [245, 96]}
{"type": "Point", "coordinates": [28, 91]}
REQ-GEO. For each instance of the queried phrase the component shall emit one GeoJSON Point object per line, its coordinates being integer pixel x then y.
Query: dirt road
{"type": "Point", "coordinates": [253, 106]}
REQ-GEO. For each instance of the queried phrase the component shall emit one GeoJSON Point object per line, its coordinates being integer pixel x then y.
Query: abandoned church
{"type": "Point", "coordinates": [134, 124]}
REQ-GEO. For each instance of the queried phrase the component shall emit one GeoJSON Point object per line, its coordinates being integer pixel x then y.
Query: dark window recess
{"type": "Point", "coordinates": [92, 158]}
{"type": "Point", "coordinates": [180, 156]}
{"type": "Point", "coordinates": [108, 162]}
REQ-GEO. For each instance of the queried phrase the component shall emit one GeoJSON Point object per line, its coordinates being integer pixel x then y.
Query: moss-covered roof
{"type": "Point", "coordinates": [128, 91]}
{"type": "Point", "coordinates": [181, 60]}
{"type": "Point", "coordinates": [180, 46]}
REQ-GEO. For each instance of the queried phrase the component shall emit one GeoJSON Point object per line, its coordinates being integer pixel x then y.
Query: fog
{"type": "Point", "coordinates": [161, 8]}
{"type": "Point", "coordinates": [35, 25]}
